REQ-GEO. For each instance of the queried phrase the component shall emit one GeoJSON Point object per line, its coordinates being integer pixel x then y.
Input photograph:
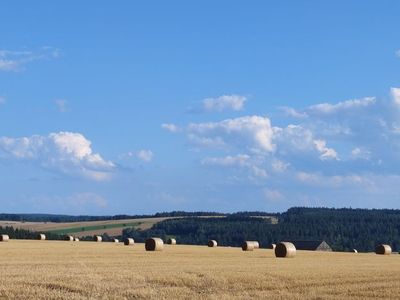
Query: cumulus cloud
{"type": "Point", "coordinates": [224, 102]}
{"type": "Point", "coordinates": [293, 138]}
{"type": "Point", "coordinates": [254, 131]}
{"type": "Point", "coordinates": [240, 160]}
{"type": "Point", "coordinates": [327, 145]}
{"type": "Point", "coordinates": [66, 152]}
{"type": "Point", "coordinates": [291, 112]}
{"type": "Point", "coordinates": [327, 108]}
{"type": "Point", "coordinates": [62, 105]}
{"type": "Point", "coordinates": [142, 155]}
{"type": "Point", "coordinates": [207, 142]}
{"type": "Point", "coordinates": [326, 153]}
{"type": "Point", "coordinates": [13, 61]}
{"type": "Point", "coordinates": [273, 147]}
{"type": "Point", "coordinates": [395, 92]}
{"type": "Point", "coordinates": [145, 155]}
{"type": "Point", "coordinates": [170, 127]}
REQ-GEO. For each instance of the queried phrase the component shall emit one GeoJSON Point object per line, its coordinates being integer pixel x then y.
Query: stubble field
{"type": "Point", "coordinates": [68, 270]}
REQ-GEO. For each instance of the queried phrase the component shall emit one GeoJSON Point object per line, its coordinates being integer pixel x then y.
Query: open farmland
{"type": "Point", "coordinates": [68, 270]}
{"type": "Point", "coordinates": [111, 227]}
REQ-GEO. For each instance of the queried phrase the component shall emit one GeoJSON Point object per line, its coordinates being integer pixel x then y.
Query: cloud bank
{"type": "Point", "coordinates": [65, 152]}
{"type": "Point", "coordinates": [326, 145]}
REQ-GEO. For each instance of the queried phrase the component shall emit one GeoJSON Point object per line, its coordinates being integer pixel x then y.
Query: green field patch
{"type": "Point", "coordinates": [94, 227]}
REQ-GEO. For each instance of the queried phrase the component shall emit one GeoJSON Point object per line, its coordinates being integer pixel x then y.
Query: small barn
{"type": "Point", "coordinates": [312, 245]}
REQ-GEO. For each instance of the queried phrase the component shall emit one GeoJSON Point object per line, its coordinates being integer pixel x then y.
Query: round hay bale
{"type": "Point", "coordinates": [248, 246]}
{"type": "Point", "coordinates": [76, 239]}
{"type": "Point", "coordinates": [355, 251]}
{"type": "Point", "coordinates": [116, 241]}
{"type": "Point", "coordinates": [4, 238]}
{"type": "Point", "coordinates": [154, 244]}
{"type": "Point", "coordinates": [41, 237]}
{"type": "Point", "coordinates": [255, 243]}
{"type": "Point", "coordinates": [171, 241]}
{"type": "Point", "coordinates": [285, 249]}
{"type": "Point", "coordinates": [97, 238]}
{"type": "Point", "coordinates": [383, 249]}
{"type": "Point", "coordinates": [272, 246]}
{"type": "Point", "coordinates": [212, 243]}
{"type": "Point", "coordinates": [129, 242]}
{"type": "Point", "coordinates": [69, 238]}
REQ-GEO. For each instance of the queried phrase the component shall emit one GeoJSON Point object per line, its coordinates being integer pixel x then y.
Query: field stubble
{"type": "Point", "coordinates": [67, 270]}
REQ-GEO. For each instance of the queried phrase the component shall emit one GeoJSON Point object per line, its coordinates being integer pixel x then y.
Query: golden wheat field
{"type": "Point", "coordinates": [89, 270]}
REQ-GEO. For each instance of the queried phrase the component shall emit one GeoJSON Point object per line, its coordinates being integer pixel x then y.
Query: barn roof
{"type": "Point", "coordinates": [319, 245]}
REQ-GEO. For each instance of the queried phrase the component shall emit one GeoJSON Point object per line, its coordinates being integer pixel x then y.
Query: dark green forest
{"type": "Point", "coordinates": [22, 234]}
{"type": "Point", "coordinates": [342, 229]}
{"type": "Point", "coordinates": [84, 218]}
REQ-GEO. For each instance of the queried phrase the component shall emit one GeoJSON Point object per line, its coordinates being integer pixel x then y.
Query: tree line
{"type": "Point", "coordinates": [23, 234]}
{"type": "Point", "coordinates": [343, 229]}
{"type": "Point", "coordinates": [85, 218]}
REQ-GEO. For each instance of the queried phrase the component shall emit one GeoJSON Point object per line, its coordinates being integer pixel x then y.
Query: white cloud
{"type": "Point", "coordinates": [2, 100]}
{"type": "Point", "coordinates": [349, 139]}
{"type": "Point", "coordinates": [253, 131]}
{"type": "Point", "coordinates": [224, 102]}
{"type": "Point", "coordinates": [279, 165]}
{"type": "Point", "coordinates": [240, 160]}
{"type": "Point", "coordinates": [395, 92]}
{"type": "Point", "coordinates": [291, 112]}
{"type": "Point", "coordinates": [326, 153]}
{"type": "Point", "coordinates": [293, 138]}
{"type": "Point", "coordinates": [145, 155]}
{"type": "Point", "coordinates": [320, 180]}
{"type": "Point", "coordinates": [206, 142]}
{"type": "Point", "coordinates": [13, 61]}
{"type": "Point", "coordinates": [358, 153]}
{"type": "Point", "coordinates": [65, 152]}
{"type": "Point", "coordinates": [170, 127]}
{"type": "Point", "coordinates": [327, 108]}
{"type": "Point", "coordinates": [62, 105]}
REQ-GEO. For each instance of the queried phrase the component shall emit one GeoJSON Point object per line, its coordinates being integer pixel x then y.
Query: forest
{"type": "Point", "coordinates": [343, 229]}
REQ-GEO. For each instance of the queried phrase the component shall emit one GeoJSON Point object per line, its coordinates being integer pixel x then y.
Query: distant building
{"type": "Point", "coordinates": [312, 245]}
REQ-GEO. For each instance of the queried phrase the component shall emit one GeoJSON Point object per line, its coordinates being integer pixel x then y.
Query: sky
{"type": "Point", "coordinates": [134, 107]}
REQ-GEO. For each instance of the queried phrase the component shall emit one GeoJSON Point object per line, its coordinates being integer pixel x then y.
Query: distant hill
{"type": "Point", "coordinates": [85, 218]}
{"type": "Point", "coordinates": [343, 229]}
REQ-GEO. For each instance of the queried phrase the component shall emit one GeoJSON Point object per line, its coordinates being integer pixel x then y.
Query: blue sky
{"type": "Point", "coordinates": [131, 107]}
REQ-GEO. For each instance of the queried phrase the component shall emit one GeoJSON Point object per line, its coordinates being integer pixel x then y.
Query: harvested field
{"type": "Point", "coordinates": [90, 228]}
{"type": "Point", "coordinates": [62, 270]}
